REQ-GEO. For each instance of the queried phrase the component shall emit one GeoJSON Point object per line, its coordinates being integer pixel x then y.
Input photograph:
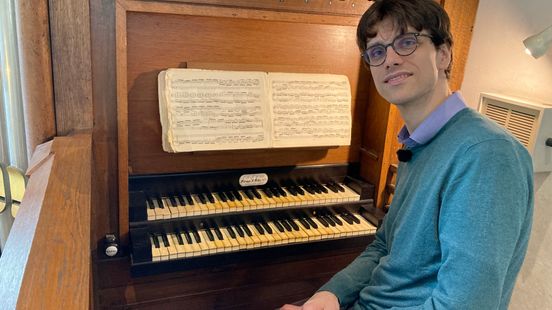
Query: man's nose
{"type": "Point", "coordinates": [392, 57]}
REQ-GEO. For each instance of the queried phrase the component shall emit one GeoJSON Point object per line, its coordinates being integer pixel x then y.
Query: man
{"type": "Point", "coordinates": [457, 231]}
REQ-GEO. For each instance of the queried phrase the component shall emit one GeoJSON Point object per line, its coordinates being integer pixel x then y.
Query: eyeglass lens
{"type": "Point", "coordinates": [403, 45]}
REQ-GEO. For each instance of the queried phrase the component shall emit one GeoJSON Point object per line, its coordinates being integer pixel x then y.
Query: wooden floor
{"type": "Point", "coordinates": [263, 279]}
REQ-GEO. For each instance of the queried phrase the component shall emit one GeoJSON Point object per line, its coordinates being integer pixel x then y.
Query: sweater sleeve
{"type": "Point", "coordinates": [484, 226]}
{"type": "Point", "coordinates": [347, 283]}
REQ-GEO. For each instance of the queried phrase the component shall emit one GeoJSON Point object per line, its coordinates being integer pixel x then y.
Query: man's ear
{"type": "Point", "coordinates": [444, 57]}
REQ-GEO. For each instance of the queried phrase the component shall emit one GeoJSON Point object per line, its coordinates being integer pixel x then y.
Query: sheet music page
{"type": "Point", "coordinates": [213, 110]}
{"type": "Point", "coordinates": [310, 109]}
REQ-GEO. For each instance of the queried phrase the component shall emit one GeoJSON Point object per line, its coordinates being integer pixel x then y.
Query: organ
{"type": "Point", "coordinates": [105, 58]}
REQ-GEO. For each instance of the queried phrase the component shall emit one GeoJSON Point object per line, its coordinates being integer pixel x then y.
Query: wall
{"type": "Point", "coordinates": [497, 63]}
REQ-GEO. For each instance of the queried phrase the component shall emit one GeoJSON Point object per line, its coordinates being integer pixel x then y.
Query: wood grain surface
{"type": "Point", "coordinates": [46, 263]}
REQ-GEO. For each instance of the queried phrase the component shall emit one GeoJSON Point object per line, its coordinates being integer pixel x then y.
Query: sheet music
{"type": "Point", "coordinates": [203, 110]}
{"type": "Point", "coordinates": [310, 109]}
{"type": "Point", "coordinates": [213, 110]}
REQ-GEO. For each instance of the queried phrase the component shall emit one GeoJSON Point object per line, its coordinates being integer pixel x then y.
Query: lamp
{"type": "Point", "coordinates": [536, 45]}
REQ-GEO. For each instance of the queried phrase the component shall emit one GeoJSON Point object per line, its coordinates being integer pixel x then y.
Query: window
{"type": "Point", "coordinates": [12, 129]}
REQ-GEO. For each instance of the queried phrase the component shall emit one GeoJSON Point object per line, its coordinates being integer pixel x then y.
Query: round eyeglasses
{"type": "Point", "coordinates": [404, 45]}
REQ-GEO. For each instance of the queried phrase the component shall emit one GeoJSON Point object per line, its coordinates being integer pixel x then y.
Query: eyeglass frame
{"type": "Point", "coordinates": [365, 56]}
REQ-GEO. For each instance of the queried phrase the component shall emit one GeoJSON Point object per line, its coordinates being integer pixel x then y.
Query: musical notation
{"type": "Point", "coordinates": [219, 110]}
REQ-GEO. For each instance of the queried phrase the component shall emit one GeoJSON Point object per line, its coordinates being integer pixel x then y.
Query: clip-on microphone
{"type": "Point", "coordinates": [404, 155]}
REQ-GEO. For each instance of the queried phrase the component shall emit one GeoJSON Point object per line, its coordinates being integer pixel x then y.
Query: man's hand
{"type": "Point", "coordinates": [323, 300]}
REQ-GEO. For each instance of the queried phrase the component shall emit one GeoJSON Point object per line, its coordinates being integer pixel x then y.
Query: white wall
{"type": "Point", "coordinates": [497, 63]}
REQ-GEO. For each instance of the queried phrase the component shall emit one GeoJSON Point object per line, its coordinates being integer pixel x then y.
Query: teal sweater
{"type": "Point", "coordinates": [457, 231]}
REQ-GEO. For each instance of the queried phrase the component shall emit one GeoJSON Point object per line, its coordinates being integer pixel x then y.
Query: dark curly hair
{"type": "Point", "coordinates": [419, 14]}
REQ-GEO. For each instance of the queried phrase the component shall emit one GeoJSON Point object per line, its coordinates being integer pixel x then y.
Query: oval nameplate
{"type": "Point", "coordinates": [253, 179]}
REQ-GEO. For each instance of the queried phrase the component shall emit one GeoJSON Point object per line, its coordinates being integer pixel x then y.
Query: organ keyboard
{"type": "Point", "coordinates": [178, 218]}
{"type": "Point", "coordinates": [178, 205]}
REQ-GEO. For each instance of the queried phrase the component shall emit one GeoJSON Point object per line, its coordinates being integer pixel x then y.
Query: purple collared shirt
{"type": "Point", "coordinates": [434, 122]}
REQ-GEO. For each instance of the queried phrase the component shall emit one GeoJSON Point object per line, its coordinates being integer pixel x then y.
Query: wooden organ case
{"type": "Point", "coordinates": [296, 36]}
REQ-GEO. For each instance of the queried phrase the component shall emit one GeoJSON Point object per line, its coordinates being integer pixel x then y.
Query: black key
{"type": "Point", "coordinates": [335, 219]}
{"type": "Point", "coordinates": [321, 187]}
{"type": "Point", "coordinates": [299, 190]}
{"type": "Point", "coordinates": [249, 194]}
{"type": "Point", "coordinates": [201, 198]}
{"type": "Point", "coordinates": [292, 224]}
{"type": "Point", "coordinates": [246, 229]}
{"type": "Point", "coordinates": [231, 231]}
{"type": "Point", "coordinates": [322, 221]}
{"type": "Point", "coordinates": [308, 189]}
{"type": "Point", "coordinates": [155, 241]}
{"type": "Point", "coordinates": [310, 221]}
{"type": "Point", "coordinates": [210, 197]}
{"type": "Point", "coordinates": [158, 203]}
{"type": "Point", "coordinates": [354, 218]}
{"type": "Point", "coordinates": [328, 219]}
{"type": "Point", "coordinates": [190, 200]}
{"type": "Point", "coordinates": [218, 233]}
{"type": "Point", "coordinates": [181, 200]}
{"type": "Point", "coordinates": [255, 193]}
{"type": "Point", "coordinates": [230, 195]}
{"type": "Point", "coordinates": [346, 218]}
{"type": "Point", "coordinates": [209, 234]}
{"type": "Point", "coordinates": [266, 227]}
{"type": "Point", "coordinates": [278, 225]}
{"type": "Point", "coordinates": [165, 240]}
{"type": "Point", "coordinates": [239, 230]}
{"type": "Point", "coordinates": [303, 222]}
{"type": "Point", "coordinates": [161, 204]}
{"type": "Point", "coordinates": [267, 192]}
{"type": "Point", "coordinates": [315, 188]}
{"type": "Point", "coordinates": [259, 228]}
{"type": "Point", "coordinates": [275, 192]}
{"type": "Point", "coordinates": [281, 191]}
{"type": "Point", "coordinates": [332, 187]}
{"type": "Point", "coordinates": [150, 204]}
{"type": "Point", "coordinates": [187, 236]}
{"type": "Point", "coordinates": [222, 196]}
{"type": "Point", "coordinates": [292, 190]}
{"type": "Point", "coordinates": [172, 199]}
{"type": "Point", "coordinates": [237, 195]}
{"type": "Point", "coordinates": [197, 237]}
{"type": "Point", "coordinates": [179, 238]}
{"type": "Point", "coordinates": [285, 224]}
{"type": "Point", "coordinates": [339, 187]}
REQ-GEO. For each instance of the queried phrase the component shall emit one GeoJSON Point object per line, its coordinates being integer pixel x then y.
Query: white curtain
{"type": "Point", "coordinates": [12, 124]}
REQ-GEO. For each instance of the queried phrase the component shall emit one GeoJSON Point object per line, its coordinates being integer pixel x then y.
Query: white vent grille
{"type": "Point", "coordinates": [521, 126]}
{"type": "Point", "coordinates": [530, 122]}
{"type": "Point", "coordinates": [519, 123]}
{"type": "Point", "coordinates": [497, 114]}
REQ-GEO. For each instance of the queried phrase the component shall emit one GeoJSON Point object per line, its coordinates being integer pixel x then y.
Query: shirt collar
{"type": "Point", "coordinates": [431, 125]}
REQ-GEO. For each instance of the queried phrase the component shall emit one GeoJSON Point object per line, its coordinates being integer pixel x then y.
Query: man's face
{"type": "Point", "coordinates": [407, 80]}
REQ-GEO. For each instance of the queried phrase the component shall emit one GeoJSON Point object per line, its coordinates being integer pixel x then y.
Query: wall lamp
{"type": "Point", "coordinates": [537, 45]}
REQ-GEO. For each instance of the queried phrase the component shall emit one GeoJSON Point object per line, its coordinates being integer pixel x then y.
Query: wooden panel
{"type": "Point", "coordinates": [261, 282]}
{"type": "Point", "coordinates": [342, 7]}
{"type": "Point", "coordinates": [122, 121]}
{"type": "Point", "coordinates": [462, 17]}
{"type": "Point", "coordinates": [156, 42]}
{"type": "Point", "coordinates": [104, 214]}
{"type": "Point", "coordinates": [70, 44]}
{"type": "Point", "coordinates": [46, 261]}
{"type": "Point", "coordinates": [36, 71]}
